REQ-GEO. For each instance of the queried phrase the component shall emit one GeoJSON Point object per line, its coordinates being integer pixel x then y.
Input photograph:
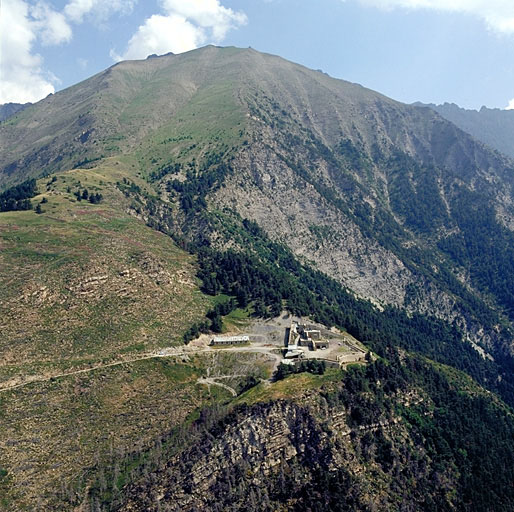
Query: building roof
{"type": "Point", "coordinates": [220, 339]}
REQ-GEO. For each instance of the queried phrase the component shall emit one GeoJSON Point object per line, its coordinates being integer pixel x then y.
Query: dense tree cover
{"type": "Point", "coordinates": [462, 430]}
{"type": "Point", "coordinates": [483, 246]}
{"type": "Point", "coordinates": [18, 197]}
{"type": "Point", "coordinates": [453, 450]}
{"type": "Point", "coordinates": [196, 185]}
{"type": "Point", "coordinates": [215, 314]}
{"type": "Point", "coordinates": [309, 365]}
{"type": "Point", "coordinates": [272, 275]}
{"type": "Point", "coordinates": [414, 193]}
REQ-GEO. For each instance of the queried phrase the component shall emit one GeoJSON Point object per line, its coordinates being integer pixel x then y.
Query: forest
{"type": "Point", "coordinates": [18, 197]}
{"type": "Point", "coordinates": [272, 279]}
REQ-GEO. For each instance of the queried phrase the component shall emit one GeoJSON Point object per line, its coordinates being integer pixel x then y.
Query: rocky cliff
{"type": "Point", "coordinates": [338, 448]}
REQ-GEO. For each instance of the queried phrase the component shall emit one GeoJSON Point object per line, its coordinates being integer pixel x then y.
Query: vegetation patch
{"type": "Point", "coordinates": [18, 197]}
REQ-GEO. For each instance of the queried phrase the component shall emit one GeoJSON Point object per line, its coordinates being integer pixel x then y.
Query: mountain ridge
{"type": "Point", "coordinates": [227, 185]}
{"type": "Point", "coordinates": [492, 126]}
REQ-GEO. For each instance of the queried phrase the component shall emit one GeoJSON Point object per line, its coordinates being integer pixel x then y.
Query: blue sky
{"type": "Point", "coordinates": [458, 51]}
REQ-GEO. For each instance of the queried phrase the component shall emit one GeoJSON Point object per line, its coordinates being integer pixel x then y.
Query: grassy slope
{"type": "Point", "coordinates": [55, 317]}
{"type": "Point", "coordinates": [85, 281]}
{"type": "Point", "coordinates": [87, 284]}
{"type": "Point", "coordinates": [53, 433]}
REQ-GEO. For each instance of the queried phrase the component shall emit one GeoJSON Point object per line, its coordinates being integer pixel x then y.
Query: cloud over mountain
{"type": "Point", "coordinates": [23, 78]}
{"type": "Point", "coordinates": [182, 26]}
{"type": "Point", "coordinates": [25, 23]}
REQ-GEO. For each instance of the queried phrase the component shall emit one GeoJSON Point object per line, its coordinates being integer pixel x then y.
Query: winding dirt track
{"type": "Point", "coordinates": [213, 382]}
{"type": "Point", "coordinates": [167, 352]}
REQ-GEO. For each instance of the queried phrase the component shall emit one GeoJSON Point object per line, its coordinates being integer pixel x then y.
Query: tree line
{"type": "Point", "coordinates": [18, 197]}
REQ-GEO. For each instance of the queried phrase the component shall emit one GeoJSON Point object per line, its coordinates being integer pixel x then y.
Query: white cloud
{"type": "Point", "coordinates": [183, 26]}
{"type": "Point", "coordinates": [51, 25]}
{"type": "Point", "coordinates": [162, 34]}
{"type": "Point", "coordinates": [207, 14]}
{"type": "Point", "coordinates": [22, 76]}
{"type": "Point", "coordinates": [23, 23]}
{"type": "Point", "coordinates": [77, 10]}
{"type": "Point", "coordinates": [497, 14]}
{"type": "Point", "coordinates": [510, 106]}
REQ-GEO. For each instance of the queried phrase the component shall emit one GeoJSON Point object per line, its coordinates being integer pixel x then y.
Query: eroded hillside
{"type": "Point", "coordinates": [185, 194]}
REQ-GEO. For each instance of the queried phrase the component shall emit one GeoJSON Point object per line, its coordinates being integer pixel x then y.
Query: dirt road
{"type": "Point", "coordinates": [19, 382]}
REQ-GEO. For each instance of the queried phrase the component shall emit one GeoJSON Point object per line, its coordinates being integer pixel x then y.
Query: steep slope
{"type": "Point", "coordinates": [372, 191]}
{"type": "Point", "coordinates": [492, 126]}
{"type": "Point", "coordinates": [231, 178]}
{"type": "Point", "coordinates": [375, 212]}
{"type": "Point", "coordinates": [9, 109]}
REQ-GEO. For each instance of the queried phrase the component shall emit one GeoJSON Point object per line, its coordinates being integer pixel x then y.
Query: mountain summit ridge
{"type": "Point", "coordinates": [370, 164]}
{"type": "Point", "coordinates": [198, 193]}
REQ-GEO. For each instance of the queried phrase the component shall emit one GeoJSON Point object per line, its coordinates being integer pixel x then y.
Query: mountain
{"type": "Point", "coordinates": [206, 191]}
{"type": "Point", "coordinates": [333, 147]}
{"type": "Point", "coordinates": [492, 126]}
{"type": "Point", "coordinates": [9, 109]}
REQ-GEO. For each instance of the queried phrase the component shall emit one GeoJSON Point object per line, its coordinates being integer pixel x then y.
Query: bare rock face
{"type": "Point", "coordinates": [293, 212]}
{"type": "Point", "coordinates": [257, 442]}
{"type": "Point", "coordinates": [260, 441]}
{"type": "Point", "coordinates": [284, 190]}
{"type": "Point", "coordinates": [266, 456]}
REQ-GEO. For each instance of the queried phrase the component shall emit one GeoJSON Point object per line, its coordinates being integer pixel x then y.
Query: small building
{"type": "Point", "coordinates": [320, 344]}
{"type": "Point", "coordinates": [294, 354]}
{"type": "Point", "coordinates": [314, 334]}
{"type": "Point", "coordinates": [229, 340]}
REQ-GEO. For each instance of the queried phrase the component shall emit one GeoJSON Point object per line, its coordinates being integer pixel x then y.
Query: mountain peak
{"type": "Point", "coordinates": [164, 201]}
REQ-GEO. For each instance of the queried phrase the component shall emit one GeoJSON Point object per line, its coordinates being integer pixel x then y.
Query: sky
{"type": "Point", "coordinates": [434, 51]}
